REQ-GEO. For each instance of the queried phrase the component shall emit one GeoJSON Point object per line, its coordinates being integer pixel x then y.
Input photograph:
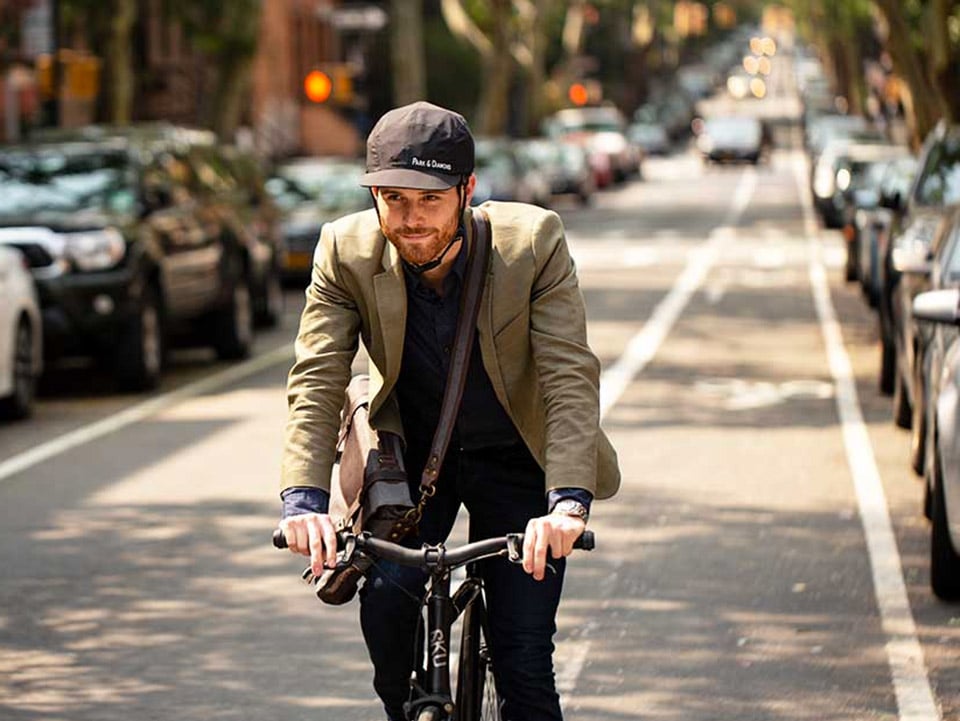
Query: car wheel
{"type": "Point", "coordinates": [233, 326]}
{"type": "Point", "coordinates": [918, 428]}
{"type": "Point", "coordinates": [888, 365]}
{"type": "Point", "coordinates": [139, 356]}
{"type": "Point", "coordinates": [270, 304]}
{"type": "Point", "coordinates": [902, 411]}
{"type": "Point", "coordinates": [944, 560]}
{"type": "Point", "coordinates": [850, 272]}
{"type": "Point", "coordinates": [19, 404]}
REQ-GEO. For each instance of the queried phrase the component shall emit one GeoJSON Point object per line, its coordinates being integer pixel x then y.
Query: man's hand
{"type": "Point", "coordinates": [556, 532]}
{"type": "Point", "coordinates": [312, 534]}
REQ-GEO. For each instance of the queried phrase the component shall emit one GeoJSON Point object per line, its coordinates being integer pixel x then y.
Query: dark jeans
{"type": "Point", "coordinates": [502, 489]}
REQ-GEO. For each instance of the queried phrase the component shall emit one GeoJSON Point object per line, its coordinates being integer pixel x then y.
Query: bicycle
{"type": "Point", "coordinates": [431, 696]}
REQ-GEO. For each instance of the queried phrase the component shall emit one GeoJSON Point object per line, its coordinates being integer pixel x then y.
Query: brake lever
{"type": "Point", "coordinates": [515, 551]}
{"type": "Point", "coordinates": [344, 558]}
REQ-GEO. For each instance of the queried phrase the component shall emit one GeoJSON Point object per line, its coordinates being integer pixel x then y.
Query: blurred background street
{"type": "Point", "coordinates": [761, 201]}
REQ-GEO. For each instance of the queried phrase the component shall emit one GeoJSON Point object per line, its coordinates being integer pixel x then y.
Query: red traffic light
{"type": "Point", "coordinates": [317, 86]}
{"type": "Point", "coordinates": [578, 94]}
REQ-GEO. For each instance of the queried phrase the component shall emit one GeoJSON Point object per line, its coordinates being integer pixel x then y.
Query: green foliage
{"type": "Point", "coordinates": [455, 73]}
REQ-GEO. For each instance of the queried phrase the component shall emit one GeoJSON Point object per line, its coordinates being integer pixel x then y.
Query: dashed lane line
{"type": "Point", "coordinates": [640, 351]}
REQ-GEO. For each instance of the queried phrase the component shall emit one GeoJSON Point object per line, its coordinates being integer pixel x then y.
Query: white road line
{"type": "Point", "coordinates": [644, 345]}
{"type": "Point", "coordinates": [139, 412]}
{"type": "Point", "coordinates": [904, 653]}
{"type": "Point", "coordinates": [639, 351]}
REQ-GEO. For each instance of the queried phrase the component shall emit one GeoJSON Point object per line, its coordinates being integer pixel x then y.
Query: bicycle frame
{"type": "Point", "coordinates": [431, 691]}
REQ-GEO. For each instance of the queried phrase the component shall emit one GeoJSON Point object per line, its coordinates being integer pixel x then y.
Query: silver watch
{"type": "Point", "coordinates": [570, 507]}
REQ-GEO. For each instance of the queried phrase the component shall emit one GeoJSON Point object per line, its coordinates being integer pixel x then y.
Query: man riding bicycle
{"type": "Point", "coordinates": [527, 451]}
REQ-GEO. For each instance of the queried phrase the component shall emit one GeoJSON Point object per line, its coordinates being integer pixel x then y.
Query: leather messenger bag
{"type": "Point", "coordinates": [369, 491]}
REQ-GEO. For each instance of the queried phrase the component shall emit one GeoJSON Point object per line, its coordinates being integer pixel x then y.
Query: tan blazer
{"type": "Point", "coordinates": [532, 333]}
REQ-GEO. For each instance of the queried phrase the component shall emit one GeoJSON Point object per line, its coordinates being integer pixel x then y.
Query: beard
{"type": "Point", "coordinates": [420, 250]}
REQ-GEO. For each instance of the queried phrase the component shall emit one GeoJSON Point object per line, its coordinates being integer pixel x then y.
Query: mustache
{"type": "Point", "coordinates": [408, 230]}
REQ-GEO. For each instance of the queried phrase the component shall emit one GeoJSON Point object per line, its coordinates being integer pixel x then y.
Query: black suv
{"type": "Point", "coordinates": [141, 238]}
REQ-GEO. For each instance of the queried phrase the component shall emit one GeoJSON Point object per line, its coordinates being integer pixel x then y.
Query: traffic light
{"type": "Point", "coordinates": [578, 94]}
{"type": "Point", "coordinates": [332, 82]}
{"type": "Point", "coordinates": [317, 86]}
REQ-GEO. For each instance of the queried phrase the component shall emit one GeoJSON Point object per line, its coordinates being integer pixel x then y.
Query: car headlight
{"type": "Point", "coordinates": [824, 182]}
{"type": "Point", "coordinates": [94, 249]}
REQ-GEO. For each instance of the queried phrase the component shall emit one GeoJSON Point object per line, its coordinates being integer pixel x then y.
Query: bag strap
{"type": "Point", "coordinates": [462, 345]}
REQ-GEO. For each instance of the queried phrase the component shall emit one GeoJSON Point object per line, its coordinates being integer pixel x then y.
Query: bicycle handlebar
{"type": "Point", "coordinates": [439, 555]}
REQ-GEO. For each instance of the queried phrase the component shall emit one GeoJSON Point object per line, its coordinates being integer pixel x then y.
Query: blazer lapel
{"type": "Point", "coordinates": [391, 296]}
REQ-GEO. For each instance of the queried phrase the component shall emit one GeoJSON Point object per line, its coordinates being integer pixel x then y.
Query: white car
{"type": "Point", "coordinates": [21, 336]}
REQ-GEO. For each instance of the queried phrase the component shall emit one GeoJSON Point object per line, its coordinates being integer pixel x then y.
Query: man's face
{"type": "Point", "coordinates": [420, 223]}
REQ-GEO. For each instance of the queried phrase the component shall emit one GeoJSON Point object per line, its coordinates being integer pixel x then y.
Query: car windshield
{"type": "Point", "coordinates": [334, 186]}
{"type": "Point", "coordinates": [591, 120]}
{"type": "Point", "coordinates": [63, 180]}
{"type": "Point", "coordinates": [939, 181]}
{"type": "Point", "coordinates": [732, 129]}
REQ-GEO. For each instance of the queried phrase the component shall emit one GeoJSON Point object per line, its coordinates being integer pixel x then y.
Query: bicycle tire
{"type": "Point", "coordinates": [477, 695]}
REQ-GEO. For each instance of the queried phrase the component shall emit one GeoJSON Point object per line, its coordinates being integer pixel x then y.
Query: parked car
{"type": "Point", "coordinates": [139, 239]}
{"type": "Point", "coordinates": [565, 165]}
{"type": "Point", "coordinates": [876, 210]}
{"type": "Point", "coordinates": [21, 335]}
{"type": "Point", "coordinates": [856, 172]}
{"type": "Point", "coordinates": [601, 131]}
{"type": "Point", "coordinates": [503, 174]}
{"type": "Point", "coordinates": [942, 457]}
{"type": "Point", "coordinates": [838, 169]}
{"type": "Point", "coordinates": [651, 138]}
{"type": "Point", "coordinates": [731, 138]}
{"type": "Point", "coordinates": [936, 186]}
{"type": "Point", "coordinates": [310, 192]}
{"type": "Point", "coordinates": [943, 272]}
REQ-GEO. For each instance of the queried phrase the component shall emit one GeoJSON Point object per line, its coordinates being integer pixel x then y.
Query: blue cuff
{"type": "Point", "coordinates": [304, 499]}
{"type": "Point", "coordinates": [577, 494]}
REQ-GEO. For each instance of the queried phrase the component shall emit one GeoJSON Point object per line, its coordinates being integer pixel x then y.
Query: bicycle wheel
{"type": "Point", "coordinates": [429, 714]}
{"type": "Point", "coordinates": [477, 696]}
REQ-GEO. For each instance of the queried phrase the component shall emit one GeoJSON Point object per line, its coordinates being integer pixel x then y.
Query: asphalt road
{"type": "Point", "coordinates": [765, 560]}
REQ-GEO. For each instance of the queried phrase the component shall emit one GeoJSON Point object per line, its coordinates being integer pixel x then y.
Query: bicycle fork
{"type": "Point", "coordinates": [431, 688]}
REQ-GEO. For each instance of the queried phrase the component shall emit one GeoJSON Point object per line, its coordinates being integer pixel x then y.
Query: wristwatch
{"type": "Point", "coordinates": [570, 507]}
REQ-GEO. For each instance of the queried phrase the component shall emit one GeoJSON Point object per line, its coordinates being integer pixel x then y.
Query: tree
{"type": "Point", "coordinates": [112, 29]}
{"type": "Point", "coordinates": [512, 38]}
{"type": "Point", "coordinates": [228, 40]}
{"type": "Point", "coordinates": [407, 51]}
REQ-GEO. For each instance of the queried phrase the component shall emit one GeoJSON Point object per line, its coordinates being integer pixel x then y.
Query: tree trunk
{"type": "Point", "coordinates": [944, 60]}
{"type": "Point", "coordinates": [537, 72]}
{"type": "Point", "coordinates": [233, 80]}
{"type": "Point", "coordinates": [120, 60]}
{"type": "Point", "coordinates": [407, 52]}
{"type": "Point", "coordinates": [925, 107]}
{"type": "Point", "coordinates": [498, 74]}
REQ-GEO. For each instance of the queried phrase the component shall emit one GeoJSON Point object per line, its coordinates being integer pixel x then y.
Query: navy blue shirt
{"type": "Point", "coordinates": [427, 350]}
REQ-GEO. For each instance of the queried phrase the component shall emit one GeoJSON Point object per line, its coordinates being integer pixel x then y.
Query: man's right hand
{"type": "Point", "coordinates": [312, 534]}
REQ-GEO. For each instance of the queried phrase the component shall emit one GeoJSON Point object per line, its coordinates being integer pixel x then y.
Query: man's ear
{"type": "Point", "coordinates": [471, 186]}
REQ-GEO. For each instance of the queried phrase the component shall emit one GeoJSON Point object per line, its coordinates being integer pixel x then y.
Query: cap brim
{"type": "Point", "coordinates": [404, 178]}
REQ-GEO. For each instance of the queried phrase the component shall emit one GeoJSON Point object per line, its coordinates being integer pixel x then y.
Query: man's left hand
{"type": "Point", "coordinates": [556, 532]}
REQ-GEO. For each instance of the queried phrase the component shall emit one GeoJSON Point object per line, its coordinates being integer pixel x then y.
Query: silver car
{"type": "Point", "coordinates": [20, 335]}
{"type": "Point", "coordinates": [938, 312]}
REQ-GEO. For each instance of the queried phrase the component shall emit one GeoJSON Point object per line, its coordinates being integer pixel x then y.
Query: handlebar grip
{"type": "Point", "coordinates": [279, 540]}
{"type": "Point", "coordinates": [586, 542]}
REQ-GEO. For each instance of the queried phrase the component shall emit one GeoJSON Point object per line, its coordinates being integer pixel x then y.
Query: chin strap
{"type": "Point", "coordinates": [431, 264]}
